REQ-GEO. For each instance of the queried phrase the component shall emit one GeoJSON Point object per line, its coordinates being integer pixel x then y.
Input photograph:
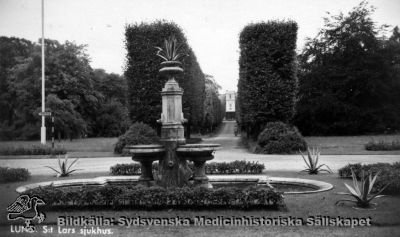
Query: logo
{"type": "Point", "coordinates": [26, 208]}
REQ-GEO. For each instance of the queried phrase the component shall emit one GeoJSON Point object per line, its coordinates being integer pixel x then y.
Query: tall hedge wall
{"type": "Point", "coordinates": [144, 82]}
{"type": "Point", "coordinates": [267, 76]}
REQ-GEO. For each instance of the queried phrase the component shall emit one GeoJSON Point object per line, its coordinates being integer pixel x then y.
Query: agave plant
{"type": "Point", "coordinates": [312, 162]}
{"type": "Point", "coordinates": [362, 192]}
{"type": "Point", "coordinates": [64, 168]}
{"type": "Point", "coordinates": [171, 51]}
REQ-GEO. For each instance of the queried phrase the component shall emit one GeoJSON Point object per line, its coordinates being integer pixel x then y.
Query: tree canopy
{"type": "Point", "coordinates": [349, 77]}
{"type": "Point", "coordinates": [75, 93]}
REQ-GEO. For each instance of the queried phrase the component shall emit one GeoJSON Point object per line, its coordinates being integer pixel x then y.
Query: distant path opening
{"type": "Point", "coordinates": [226, 137]}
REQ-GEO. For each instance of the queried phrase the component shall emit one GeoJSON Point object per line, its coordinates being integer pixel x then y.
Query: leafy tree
{"type": "Point", "coordinates": [67, 121]}
{"type": "Point", "coordinates": [267, 74]}
{"type": "Point", "coordinates": [112, 86]}
{"type": "Point", "coordinates": [69, 76]}
{"type": "Point", "coordinates": [212, 105]}
{"type": "Point", "coordinates": [112, 118]}
{"type": "Point", "coordinates": [348, 84]}
{"type": "Point", "coordinates": [13, 51]}
{"type": "Point", "coordinates": [68, 81]}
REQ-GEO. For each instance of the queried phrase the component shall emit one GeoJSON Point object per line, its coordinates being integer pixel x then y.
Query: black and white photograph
{"type": "Point", "coordinates": [200, 118]}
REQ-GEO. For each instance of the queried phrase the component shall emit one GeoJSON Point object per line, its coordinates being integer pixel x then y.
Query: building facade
{"type": "Point", "coordinates": [230, 109]}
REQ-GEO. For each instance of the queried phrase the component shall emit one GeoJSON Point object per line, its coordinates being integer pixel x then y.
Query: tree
{"type": "Point", "coordinates": [67, 121]}
{"type": "Point", "coordinates": [267, 85]}
{"type": "Point", "coordinates": [13, 51]}
{"type": "Point", "coordinates": [112, 118]}
{"type": "Point", "coordinates": [346, 86]}
{"type": "Point", "coordinates": [212, 105]}
{"type": "Point", "coordinates": [68, 80]}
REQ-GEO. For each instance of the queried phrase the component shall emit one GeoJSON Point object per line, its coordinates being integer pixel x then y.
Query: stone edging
{"type": "Point", "coordinates": [320, 185]}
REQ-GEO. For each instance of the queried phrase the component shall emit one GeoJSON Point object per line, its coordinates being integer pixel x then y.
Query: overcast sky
{"type": "Point", "coordinates": [211, 26]}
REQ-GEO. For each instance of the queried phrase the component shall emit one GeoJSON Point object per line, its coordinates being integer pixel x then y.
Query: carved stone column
{"type": "Point", "coordinates": [173, 171]}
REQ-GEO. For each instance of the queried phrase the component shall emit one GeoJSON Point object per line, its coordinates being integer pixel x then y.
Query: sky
{"type": "Point", "coordinates": [212, 27]}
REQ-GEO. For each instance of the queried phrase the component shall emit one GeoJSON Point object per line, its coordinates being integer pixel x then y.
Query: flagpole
{"type": "Point", "coordinates": [43, 128]}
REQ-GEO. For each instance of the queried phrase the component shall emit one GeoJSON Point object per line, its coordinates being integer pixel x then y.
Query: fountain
{"type": "Point", "coordinates": [174, 153]}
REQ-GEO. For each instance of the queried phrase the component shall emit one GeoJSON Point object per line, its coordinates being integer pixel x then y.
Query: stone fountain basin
{"type": "Point", "coordinates": [145, 152]}
{"type": "Point", "coordinates": [317, 186]}
{"type": "Point", "coordinates": [197, 151]}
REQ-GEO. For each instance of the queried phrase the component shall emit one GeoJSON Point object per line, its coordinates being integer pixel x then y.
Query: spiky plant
{"type": "Point", "coordinates": [64, 168]}
{"type": "Point", "coordinates": [312, 162]}
{"type": "Point", "coordinates": [362, 193]}
{"type": "Point", "coordinates": [171, 50]}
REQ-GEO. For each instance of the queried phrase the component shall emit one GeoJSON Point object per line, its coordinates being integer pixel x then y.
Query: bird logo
{"type": "Point", "coordinates": [26, 208]}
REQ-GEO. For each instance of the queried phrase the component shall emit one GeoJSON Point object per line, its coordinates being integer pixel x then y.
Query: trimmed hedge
{"type": "Point", "coordinates": [13, 174]}
{"type": "Point", "coordinates": [137, 134]}
{"type": "Point", "coordinates": [268, 82]}
{"type": "Point", "coordinates": [32, 150]}
{"type": "Point", "coordinates": [234, 167]}
{"type": "Point", "coordinates": [156, 198]}
{"type": "Point", "coordinates": [280, 138]}
{"type": "Point", "coordinates": [383, 146]}
{"type": "Point", "coordinates": [389, 173]}
{"type": "Point", "coordinates": [144, 81]}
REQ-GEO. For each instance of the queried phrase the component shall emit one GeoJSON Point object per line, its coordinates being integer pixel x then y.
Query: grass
{"type": "Point", "coordinates": [340, 145]}
{"type": "Point", "coordinates": [383, 145]}
{"type": "Point", "coordinates": [385, 219]}
{"type": "Point", "coordinates": [350, 145]}
{"type": "Point", "coordinates": [82, 148]}
{"type": "Point", "coordinates": [103, 147]}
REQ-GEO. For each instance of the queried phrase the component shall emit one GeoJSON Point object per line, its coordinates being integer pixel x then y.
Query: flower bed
{"type": "Point", "coordinates": [234, 167]}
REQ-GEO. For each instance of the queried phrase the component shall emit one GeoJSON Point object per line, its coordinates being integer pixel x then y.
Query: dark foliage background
{"type": "Point", "coordinates": [267, 74]}
{"type": "Point", "coordinates": [350, 77]}
{"type": "Point", "coordinates": [214, 110]}
{"type": "Point", "coordinates": [84, 102]}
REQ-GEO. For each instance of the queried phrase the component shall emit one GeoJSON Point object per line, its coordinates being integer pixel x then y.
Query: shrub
{"type": "Point", "coordinates": [313, 167]}
{"type": "Point", "coordinates": [137, 134]}
{"type": "Point", "coordinates": [383, 145]}
{"type": "Point", "coordinates": [389, 173]}
{"type": "Point", "coordinates": [144, 81]}
{"type": "Point", "coordinates": [363, 195]}
{"type": "Point", "coordinates": [127, 169]}
{"type": "Point", "coordinates": [13, 174]}
{"type": "Point", "coordinates": [279, 138]}
{"type": "Point", "coordinates": [234, 167]}
{"type": "Point", "coordinates": [32, 150]}
{"type": "Point", "coordinates": [268, 83]}
{"type": "Point", "coordinates": [156, 198]}
{"type": "Point", "coordinates": [64, 168]}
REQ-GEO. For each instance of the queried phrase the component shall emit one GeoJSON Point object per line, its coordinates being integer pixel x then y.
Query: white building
{"type": "Point", "coordinates": [230, 98]}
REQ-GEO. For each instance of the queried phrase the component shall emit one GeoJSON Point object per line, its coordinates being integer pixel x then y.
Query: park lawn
{"type": "Point", "coordinates": [82, 148]}
{"type": "Point", "coordinates": [385, 218]}
{"type": "Point", "coordinates": [343, 145]}
{"type": "Point", "coordinates": [351, 145]}
{"type": "Point", "coordinates": [104, 147]}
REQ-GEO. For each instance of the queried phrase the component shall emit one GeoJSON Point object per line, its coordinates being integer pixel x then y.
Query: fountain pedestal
{"type": "Point", "coordinates": [173, 171]}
